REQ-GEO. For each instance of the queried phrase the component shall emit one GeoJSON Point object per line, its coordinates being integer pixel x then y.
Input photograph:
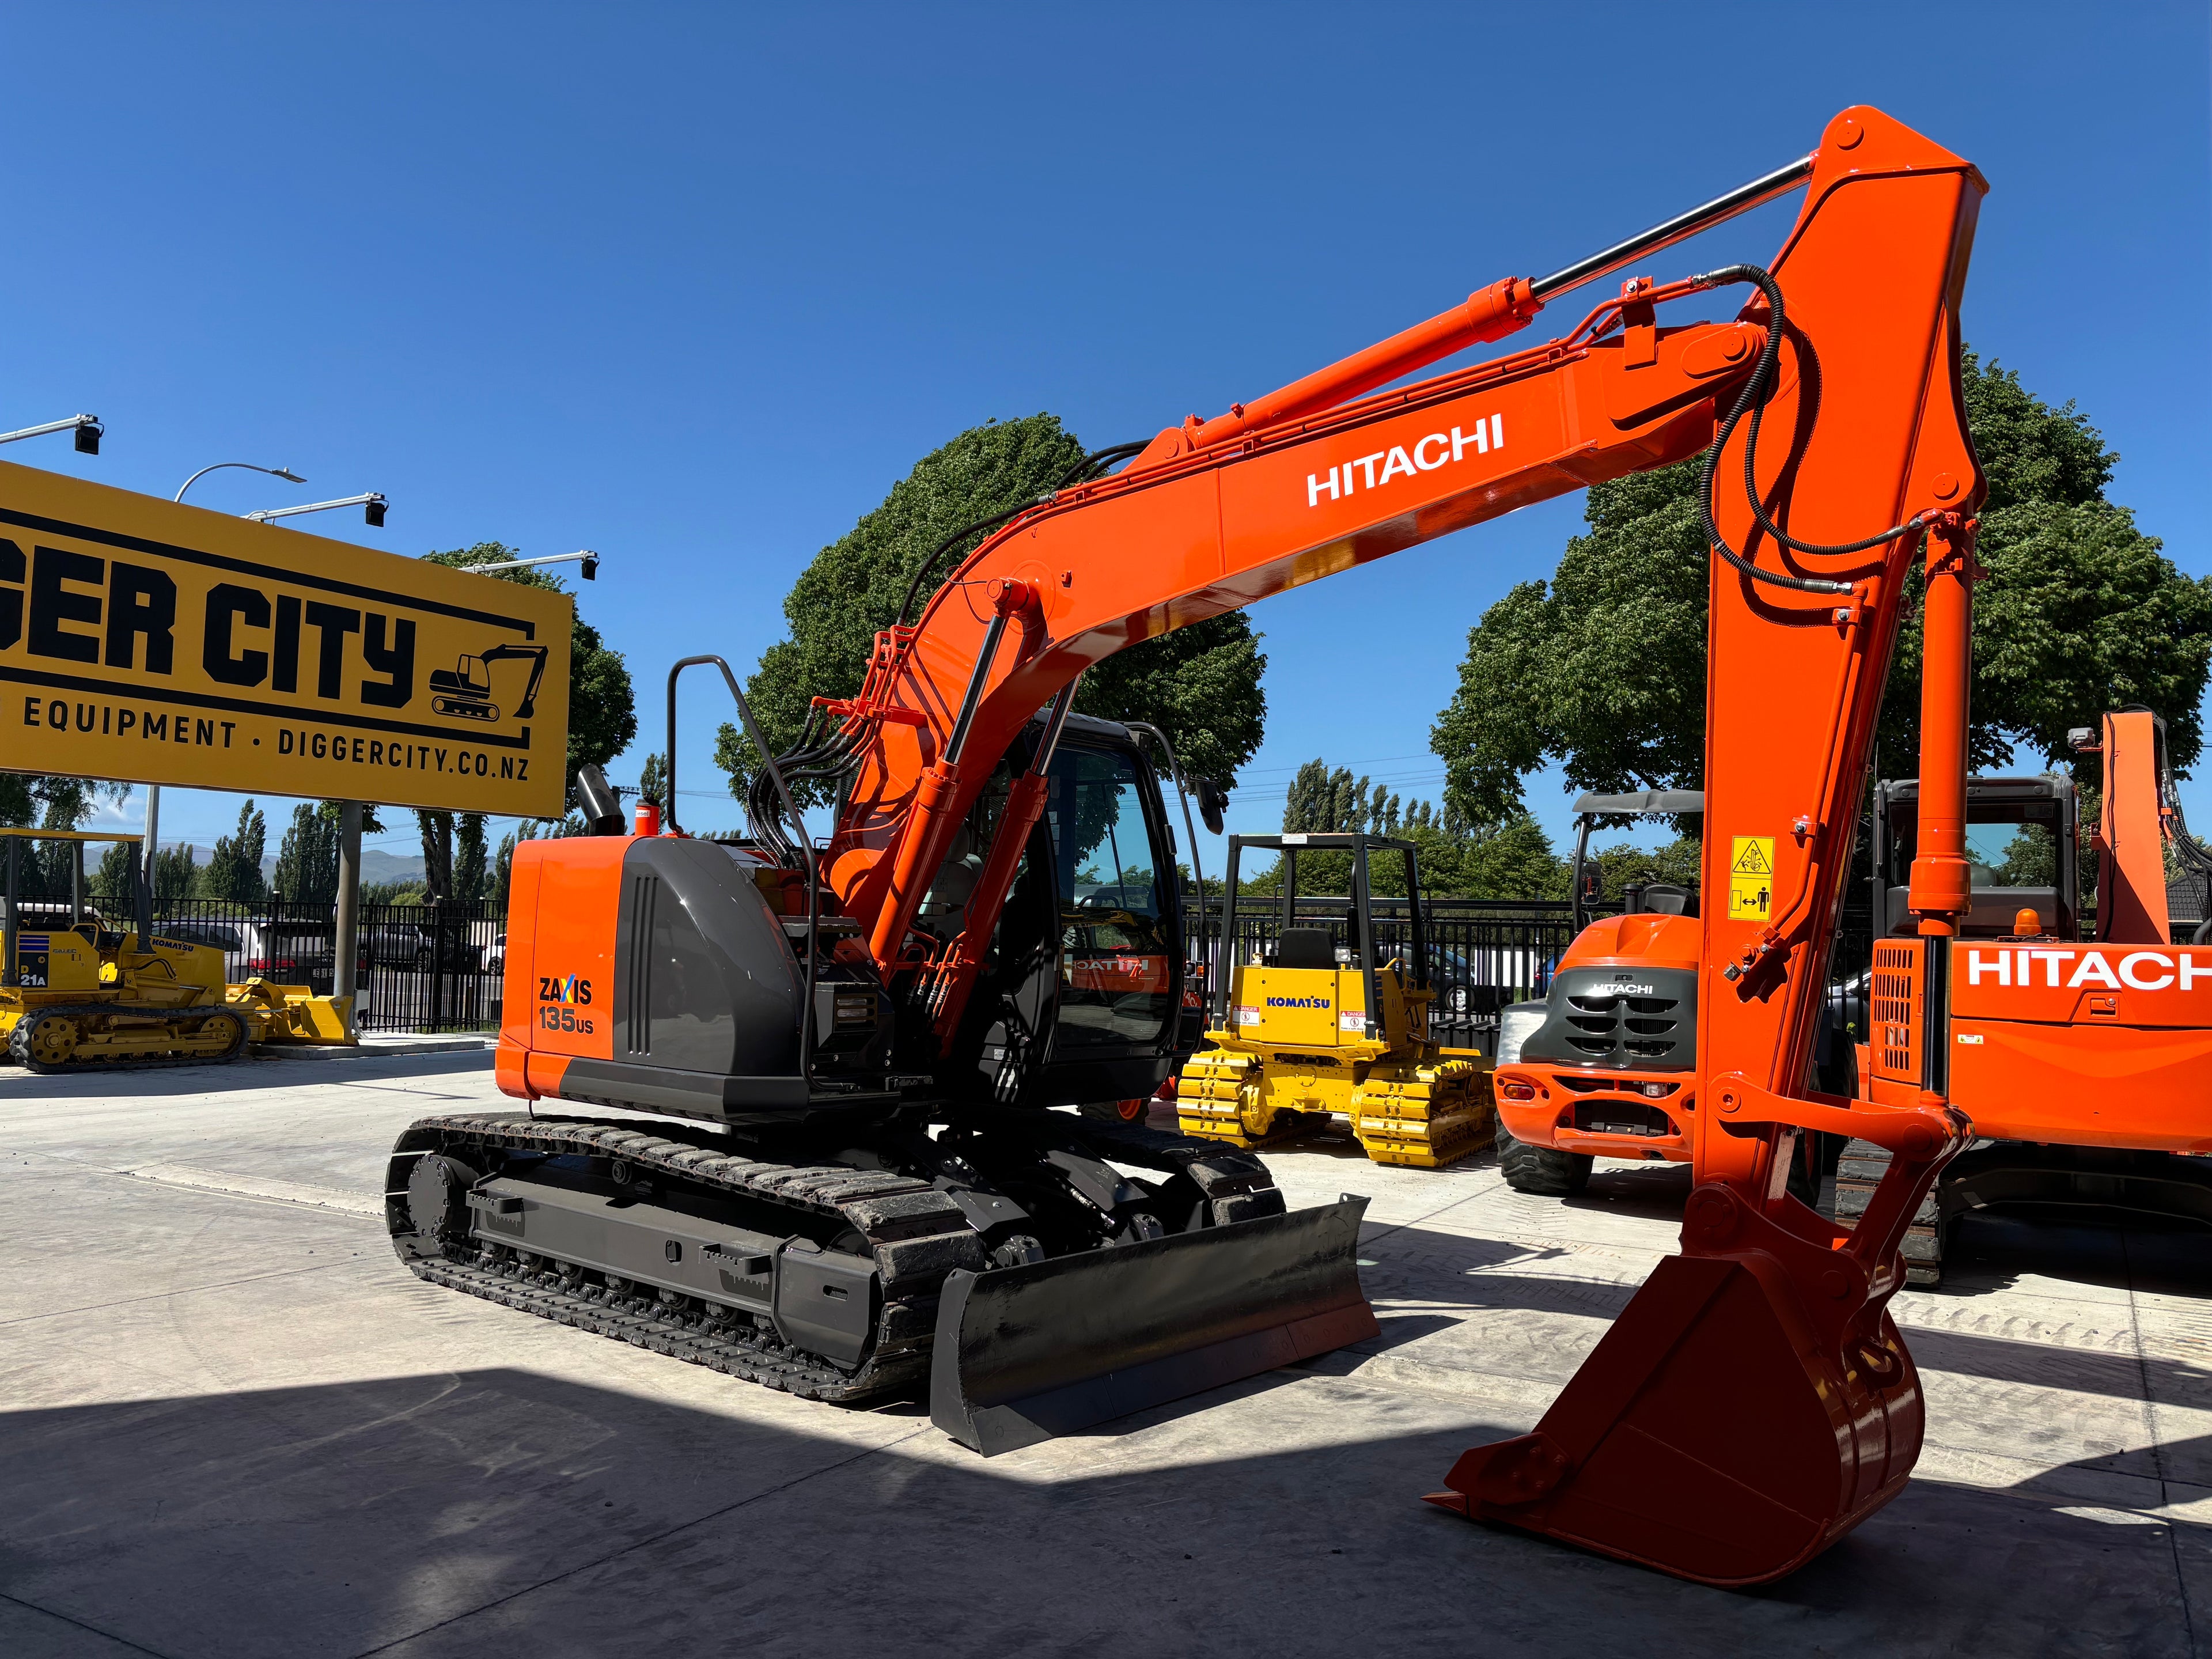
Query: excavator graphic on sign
{"type": "Point", "coordinates": [467, 691]}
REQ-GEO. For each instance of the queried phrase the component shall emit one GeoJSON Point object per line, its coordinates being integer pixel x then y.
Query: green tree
{"type": "Point", "coordinates": [653, 781]}
{"type": "Point", "coordinates": [307, 857]}
{"type": "Point", "coordinates": [602, 714]}
{"type": "Point", "coordinates": [32, 800]}
{"type": "Point", "coordinates": [1509, 859]}
{"type": "Point", "coordinates": [233, 871]}
{"type": "Point", "coordinates": [1200, 684]}
{"type": "Point", "coordinates": [1618, 866]}
{"type": "Point", "coordinates": [1603, 668]}
{"type": "Point", "coordinates": [176, 874]}
{"type": "Point", "coordinates": [468, 873]}
{"type": "Point", "coordinates": [602, 703]}
{"type": "Point", "coordinates": [112, 880]}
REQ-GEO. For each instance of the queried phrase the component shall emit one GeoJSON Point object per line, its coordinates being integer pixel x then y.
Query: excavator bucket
{"type": "Point", "coordinates": [1025, 1354]}
{"type": "Point", "coordinates": [1752, 1404]}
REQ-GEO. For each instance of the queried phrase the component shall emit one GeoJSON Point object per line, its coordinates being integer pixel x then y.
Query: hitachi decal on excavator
{"type": "Point", "coordinates": [865, 1034]}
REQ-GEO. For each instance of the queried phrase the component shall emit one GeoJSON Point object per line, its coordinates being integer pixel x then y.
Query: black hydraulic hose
{"type": "Point", "coordinates": [1088, 468]}
{"type": "Point", "coordinates": [1751, 401]}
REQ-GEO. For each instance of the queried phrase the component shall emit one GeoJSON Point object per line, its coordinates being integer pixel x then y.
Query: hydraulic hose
{"type": "Point", "coordinates": [1751, 401]}
{"type": "Point", "coordinates": [1089, 467]}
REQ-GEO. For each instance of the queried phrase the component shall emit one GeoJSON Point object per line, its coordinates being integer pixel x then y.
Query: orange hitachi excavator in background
{"type": "Point", "coordinates": [2082, 1054]}
{"type": "Point", "coordinates": [2090, 1095]}
{"type": "Point", "coordinates": [865, 1030]}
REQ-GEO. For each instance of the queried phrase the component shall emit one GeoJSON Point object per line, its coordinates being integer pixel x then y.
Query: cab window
{"type": "Point", "coordinates": [1115, 950]}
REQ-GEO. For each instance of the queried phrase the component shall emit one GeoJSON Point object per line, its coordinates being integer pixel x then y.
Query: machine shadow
{"type": "Point", "coordinates": [505, 1511]}
{"type": "Point", "coordinates": [1473, 1276]}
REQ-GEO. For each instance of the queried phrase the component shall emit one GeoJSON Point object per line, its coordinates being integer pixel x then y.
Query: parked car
{"type": "Point", "coordinates": [496, 958]}
{"type": "Point", "coordinates": [418, 946]}
{"type": "Point", "coordinates": [289, 952]}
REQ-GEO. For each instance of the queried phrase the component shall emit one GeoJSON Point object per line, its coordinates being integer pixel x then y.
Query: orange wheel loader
{"type": "Point", "coordinates": [861, 1193]}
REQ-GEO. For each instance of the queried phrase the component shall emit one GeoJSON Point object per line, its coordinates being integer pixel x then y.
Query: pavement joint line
{"type": "Point", "coordinates": [2157, 1443]}
{"type": "Point", "coordinates": [162, 1295]}
{"type": "Point", "coordinates": [661, 1536]}
{"type": "Point", "coordinates": [79, 1624]}
{"type": "Point", "coordinates": [331, 1197]}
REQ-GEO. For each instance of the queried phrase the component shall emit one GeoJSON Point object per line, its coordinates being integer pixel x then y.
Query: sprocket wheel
{"type": "Point", "coordinates": [230, 1028]}
{"type": "Point", "coordinates": [46, 1044]}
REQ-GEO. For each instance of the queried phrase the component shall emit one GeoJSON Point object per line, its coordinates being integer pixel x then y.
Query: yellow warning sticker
{"type": "Point", "coordinates": [1751, 878]}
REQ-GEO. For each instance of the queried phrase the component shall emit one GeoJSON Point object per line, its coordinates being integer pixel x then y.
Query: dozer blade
{"type": "Point", "coordinates": [1025, 1354]}
{"type": "Point", "coordinates": [1752, 1404]}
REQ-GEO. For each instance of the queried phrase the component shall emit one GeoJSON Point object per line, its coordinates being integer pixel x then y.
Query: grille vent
{"type": "Point", "coordinates": [644, 894]}
{"type": "Point", "coordinates": [1636, 1018]}
{"type": "Point", "coordinates": [1894, 991]}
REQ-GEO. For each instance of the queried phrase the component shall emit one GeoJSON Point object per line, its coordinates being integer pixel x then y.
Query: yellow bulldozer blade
{"type": "Point", "coordinates": [293, 1014]}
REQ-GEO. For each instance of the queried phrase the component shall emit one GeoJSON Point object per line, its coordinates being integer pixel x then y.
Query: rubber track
{"type": "Point", "coordinates": [19, 1039]}
{"type": "Point", "coordinates": [1858, 1172]}
{"type": "Point", "coordinates": [918, 1234]}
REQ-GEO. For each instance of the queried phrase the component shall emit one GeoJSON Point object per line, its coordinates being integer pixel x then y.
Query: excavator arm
{"type": "Point", "coordinates": [1754, 1402]}
{"type": "Point", "coordinates": [535, 656]}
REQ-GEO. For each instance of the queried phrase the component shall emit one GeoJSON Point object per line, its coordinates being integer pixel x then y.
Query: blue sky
{"type": "Point", "coordinates": [694, 285]}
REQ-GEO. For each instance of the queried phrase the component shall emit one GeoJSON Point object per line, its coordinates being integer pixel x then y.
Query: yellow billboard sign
{"type": "Point", "coordinates": [147, 641]}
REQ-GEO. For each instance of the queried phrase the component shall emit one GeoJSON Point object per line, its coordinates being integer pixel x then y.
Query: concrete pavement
{"type": "Point", "coordinates": [230, 1424]}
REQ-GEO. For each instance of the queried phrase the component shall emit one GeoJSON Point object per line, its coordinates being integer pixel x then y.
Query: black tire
{"type": "Point", "coordinates": [1116, 1111]}
{"type": "Point", "coordinates": [1543, 1171]}
{"type": "Point", "coordinates": [424, 962]}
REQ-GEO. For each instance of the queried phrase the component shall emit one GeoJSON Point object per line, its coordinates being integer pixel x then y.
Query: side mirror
{"type": "Point", "coordinates": [1212, 801]}
{"type": "Point", "coordinates": [1593, 887]}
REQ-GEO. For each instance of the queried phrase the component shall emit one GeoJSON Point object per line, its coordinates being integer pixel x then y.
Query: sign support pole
{"type": "Point", "coordinates": [346, 931]}
{"type": "Point", "coordinates": [153, 836]}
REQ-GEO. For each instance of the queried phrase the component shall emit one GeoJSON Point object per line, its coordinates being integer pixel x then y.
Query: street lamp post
{"type": "Point", "coordinates": [373, 502]}
{"type": "Point", "coordinates": [87, 427]}
{"type": "Point", "coordinates": [273, 472]}
{"type": "Point", "coordinates": [154, 790]}
{"type": "Point", "coordinates": [589, 560]}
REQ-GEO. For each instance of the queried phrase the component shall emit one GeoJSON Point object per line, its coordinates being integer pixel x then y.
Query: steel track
{"type": "Point", "coordinates": [915, 1232]}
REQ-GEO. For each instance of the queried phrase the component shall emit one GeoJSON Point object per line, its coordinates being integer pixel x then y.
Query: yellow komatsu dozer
{"type": "Point", "coordinates": [1326, 1021]}
{"type": "Point", "coordinates": [81, 993]}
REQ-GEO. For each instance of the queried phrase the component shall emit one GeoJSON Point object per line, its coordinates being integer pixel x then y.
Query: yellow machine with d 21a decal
{"type": "Point", "coordinates": [83, 994]}
{"type": "Point", "coordinates": [1336, 1024]}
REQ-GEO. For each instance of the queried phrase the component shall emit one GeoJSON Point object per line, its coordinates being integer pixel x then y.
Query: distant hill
{"type": "Point", "coordinates": [376, 866]}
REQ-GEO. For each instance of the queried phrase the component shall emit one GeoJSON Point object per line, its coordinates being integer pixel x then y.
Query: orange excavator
{"type": "Point", "coordinates": [864, 1031]}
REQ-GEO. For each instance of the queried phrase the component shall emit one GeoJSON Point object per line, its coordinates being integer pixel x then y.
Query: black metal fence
{"type": "Point", "coordinates": [1483, 953]}
{"type": "Point", "coordinates": [439, 966]}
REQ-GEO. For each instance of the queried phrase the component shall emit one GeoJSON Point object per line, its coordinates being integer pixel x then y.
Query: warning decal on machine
{"type": "Point", "coordinates": [1751, 878]}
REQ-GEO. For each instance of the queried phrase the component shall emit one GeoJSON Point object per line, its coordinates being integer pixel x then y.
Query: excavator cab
{"type": "Point", "coordinates": [1328, 1017]}
{"type": "Point", "coordinates": [2022, 843]}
